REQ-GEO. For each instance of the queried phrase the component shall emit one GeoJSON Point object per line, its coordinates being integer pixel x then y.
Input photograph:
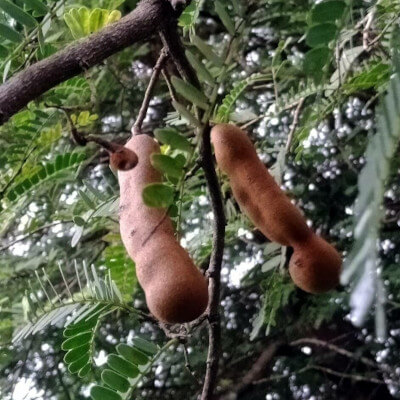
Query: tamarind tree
{"type": "Point", "coordinates": [316, 86]}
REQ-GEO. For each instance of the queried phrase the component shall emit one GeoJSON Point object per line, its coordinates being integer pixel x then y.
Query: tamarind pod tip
{"type": "Point", "coordinates": [255, 190]}
{"type": "Point", "coordinates": [315, 266]}
{"type": "Point", "coordinates": [123, 159]}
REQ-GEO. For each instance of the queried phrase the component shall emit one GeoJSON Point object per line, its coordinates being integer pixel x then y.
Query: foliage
{"type": "Point", "coordinates": [304, 79]}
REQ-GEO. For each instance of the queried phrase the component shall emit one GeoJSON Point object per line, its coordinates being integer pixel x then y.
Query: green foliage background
{"type": "Point", "coordinates": [260, 62]}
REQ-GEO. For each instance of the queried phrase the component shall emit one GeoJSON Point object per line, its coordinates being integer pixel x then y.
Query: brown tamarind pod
{"type": "Point", "coordinates": [256, 191]}
{"type": "Point", "coordinates": [123, 159]}
{"type": "Point", "coordinates": [315, 265]}
{"type": "Point", "coordinates": [175, 289]}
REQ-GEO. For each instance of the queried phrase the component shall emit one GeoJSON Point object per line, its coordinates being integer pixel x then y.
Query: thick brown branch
{"type": "Point", "coordinates": [29, 84]}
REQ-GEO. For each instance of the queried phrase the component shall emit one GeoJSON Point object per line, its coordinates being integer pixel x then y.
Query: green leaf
{"type": "Point", "coordinates": [190, 93]}
{"type": "Point", "coordinates": [58, 162]}
{"type": "Point", "coordinates": [102, 393]}
{"type": "Point", "coordinates": [184, 113]}
{"type": "Point", "coordinates": [145, 346]}
{"type": "Point", "coordinates": [173, 138]}
{"type": "Point", "coordinates": [271, 264]}
{"type": "Point", "coordinates": [74, 26]}
{"type": "Point", "coordinates": [207, 51]}
{"type": "Point", "coordinates": [18, 14]}
{"type": "Point", "coordinates": [123, 366]}
{"type": "Point", "coordinates": [88, 201]}
{"type": "Point", "coordinates": [76, 341]}
{"type": "Point", "coordinates": [75, 329]}
{"type": "Point", "coordinates": [76, 353]}
{"type": "Point", "coordinates": [166, 164]}
{"type": "Point", "coordinates": [328, 11]}
{"type": "Point", "coordinates": [38, 5]}
{"type": "Point", "coordinates": [180, 160]}
{"type": "Point", "coordinates": [98, 19]}
{"type": "Point", "coordinates": [200, 68]}
{"type": "Point", "coordinates": [315, 60]}
{"type": "Point", "coordinates": [3, 53]}
{"type": "Point", "coordinates": [158, 195]}
{"type": "Point", "coordinates": [79, 221]}
{"type": "Point", "coordinates": [112, 17]}
{"type": "Point", "coordinates": [115, 381]}
{"type": "Point", "coordinates": [132, 354]}
{"type": "Point", "coordinates": [225, 109]}
{"type": "Point", "coordinates": [10, 34]}
{"type": "Point", "coordinates": [225, 18]}
{"type": "Point", "coordinates": [11, 195]}
{"type": "Point", "coordinates": [321, 34]}
{"type": "Point", "coordinates": [84, 371]}
{"type": "Point", "coordinates": [77, 365]}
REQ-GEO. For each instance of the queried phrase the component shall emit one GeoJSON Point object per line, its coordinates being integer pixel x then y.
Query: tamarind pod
{"type": "Point", "coordinates": [175, 289]}
{"type": "Point", "coordinates": [256, 191]}
{"type": "Point", "coordinates": [315, 266]}
{"type": "Point", "coordinates": [123, 159]}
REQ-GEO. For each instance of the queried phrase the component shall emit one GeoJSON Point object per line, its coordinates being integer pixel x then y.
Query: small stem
{"type": "Point", "coordinates": [149, 91]}
{"type": "Point", "coordinates": [294, 125]}
{"type": "Point", "coordinates": [169, 84]}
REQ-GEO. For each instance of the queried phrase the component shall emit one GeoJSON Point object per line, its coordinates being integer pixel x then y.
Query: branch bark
{"type": "Point", "coordinates": [31, 83]}
{"type": "Point", "coordinates": [172, 42]}
{"type": "Point", "coordinates": [214, 269]}
{"type": "Point", "coordinates": [256, 372]}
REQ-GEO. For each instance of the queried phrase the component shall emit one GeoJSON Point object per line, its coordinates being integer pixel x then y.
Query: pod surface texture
{"type": "Point", "coordinates": [175, 289]}
{"type": "Point", "coordinates": [315, 265]}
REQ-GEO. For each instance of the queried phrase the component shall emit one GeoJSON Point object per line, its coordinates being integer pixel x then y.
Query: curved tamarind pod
{"type": "Point", "coordinates": [315, 265]}
{"type": "Point", "coordinates": [175, 289]}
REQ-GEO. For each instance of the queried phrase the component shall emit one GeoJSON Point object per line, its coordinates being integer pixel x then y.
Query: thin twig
{"type": "Point", "coordinates": [149, 91]}
{"type": "Point", "coordinates": [367, 27]}
{"type": "Point", "coordinates": [341, 351]}
{"type": "Point", "coordinates": [214, 270]}
{"type": "Point", "coordinates": [21, 166]}
{"type": "Point", "coordinates": [42, 228]}
{"type": "Point", "coordinates": [322, 369]}
{"type": "Point", "coordinates": [294, 125]}
{"type": "Point", "coordinates": [187, 364]}
{"type": "Point", "coordinates": [347, 376]}
{"type": "Point", "coordinates": [169, 84]}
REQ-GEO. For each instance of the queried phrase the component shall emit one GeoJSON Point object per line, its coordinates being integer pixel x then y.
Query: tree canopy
{"type": "Point", "coordinates": [317, 87]}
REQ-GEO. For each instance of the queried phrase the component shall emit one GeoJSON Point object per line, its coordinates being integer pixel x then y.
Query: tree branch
{"type": "Point", "coordinates": [29, 84]}
{"type": "Point", "coordinates": [149, 91]}
{"type": "Point", "coordinates": [294, 125]}
{"type": "Point", "coordinates": [341, 351]}
{"type": "Point", "coordinates": [214, 269]}
{"type": "Point", "coordinates": [172, 42]}
{"type": "Point", "coordinates": [256, 372]}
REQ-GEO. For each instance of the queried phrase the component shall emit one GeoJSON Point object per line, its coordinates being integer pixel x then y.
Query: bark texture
{"type": "Point", "coordinates": [35, 80]}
